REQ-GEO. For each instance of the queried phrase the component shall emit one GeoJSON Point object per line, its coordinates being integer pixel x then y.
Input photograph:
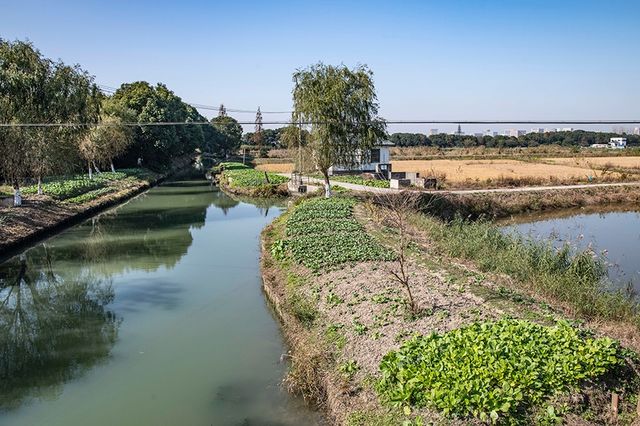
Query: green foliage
{"type": "Point", "coordinates": [359, 180]}
{"type": "Point", "coordinates": [494, 369]}
{"type": "Point", "coordinates": [71, 187]}
{"type": "Point", "coordinates": [323, 232]}
{"type": "Point", "coordinates": [241, 176]}
{"type": "Point", "coordinates": [349, 368]}
{"type": "Point", "coordinates": [91, 195]}
{"type": "Point", "coordinates": [578, 279]}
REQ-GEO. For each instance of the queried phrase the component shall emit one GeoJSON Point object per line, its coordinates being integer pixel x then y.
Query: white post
{"type": "Point", "coordinates": [90, 172]}
{"type": "Point", "coordinates": [113, 169]}
{"type": "Point", "coordinates": [17, 196]}
{"type": "Point", "coordinates": [39, 186]}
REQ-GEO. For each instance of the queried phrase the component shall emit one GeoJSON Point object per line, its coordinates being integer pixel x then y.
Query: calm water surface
{"type": "Point", "coordinates": [150, 314]}
{"type": "Point", "coordinates": [615, 233]}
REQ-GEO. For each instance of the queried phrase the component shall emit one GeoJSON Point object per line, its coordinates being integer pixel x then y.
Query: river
{"type": "Point", "coordinates": [612, 232]}
{"type": "Point", "coordinates": [148, 314]}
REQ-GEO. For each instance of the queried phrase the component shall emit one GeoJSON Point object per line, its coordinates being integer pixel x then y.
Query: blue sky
{"type": "Point", "coordinates": [446, 59]}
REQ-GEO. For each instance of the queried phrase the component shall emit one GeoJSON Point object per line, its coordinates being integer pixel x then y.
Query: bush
{"type": "Point", "coordinates": [494, 369]}
{"type": "Point", "coordinates": [323, 233]}
{"type": "Point", "coordinates": [575, 278]}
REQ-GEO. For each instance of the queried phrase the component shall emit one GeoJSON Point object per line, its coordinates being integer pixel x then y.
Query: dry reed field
{"type": "Point", "coordinates": [598, 162]}
{"type": "Point", "coordinates": [276, 167]}
{"type": "Point", "coordinates": [484, 170]}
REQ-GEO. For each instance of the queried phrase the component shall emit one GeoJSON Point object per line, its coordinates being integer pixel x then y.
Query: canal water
{"type": "Point", "coordinates": [149, 314]}
{"type": "Point", "coordinates": [613, 233]}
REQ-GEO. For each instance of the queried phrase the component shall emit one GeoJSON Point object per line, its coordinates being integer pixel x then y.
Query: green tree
{"type": "Point", "coordinates": [230, 131]}
{"type": "Point", "coordinates": [341, 105]}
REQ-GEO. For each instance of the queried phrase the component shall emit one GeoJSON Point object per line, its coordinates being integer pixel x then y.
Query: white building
{"type": "Point", "coordinates": [516, 133]}
{"type": "Point", "coordinates": [489, 132]}
{"type": "Point", "coordinates": [433, 132]}
{"type": "Point", "coordinates": [378, 162]}
{"type": "Point", "coordinates": [618, 143]}
{"type": "Point", "coordinates": [538, 130]}
{"type": "Point", "coordinates": [636, 131]}
{"type": "Point", "coordinates": [565, 129]}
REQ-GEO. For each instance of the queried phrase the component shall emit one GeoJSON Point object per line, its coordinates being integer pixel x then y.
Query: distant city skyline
{"type": "Point", "coordinates": [466, 60]}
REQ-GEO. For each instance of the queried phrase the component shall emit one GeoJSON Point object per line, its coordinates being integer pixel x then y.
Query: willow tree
{"type": "Point", "coordinates": [341, 106]}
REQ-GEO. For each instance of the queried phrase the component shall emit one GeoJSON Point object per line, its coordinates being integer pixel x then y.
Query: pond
{"type": "Point", "coordinates": [613, 232]}
{"type": "Point", "coordinates": [151, 313]}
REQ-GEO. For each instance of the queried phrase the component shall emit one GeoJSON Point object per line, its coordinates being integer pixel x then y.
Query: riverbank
{"type": "Point", "coordinates": [343, 313]}
{"type": "Point", "coordinates": [498, 204]}
{"type": "Point", "coordinates": [42, 215]}
{"type": "Point", "coordinates": [239, 179]}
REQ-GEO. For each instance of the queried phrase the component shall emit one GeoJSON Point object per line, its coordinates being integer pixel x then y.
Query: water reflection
{"type": "Point", "coordinates": [53, 326]}
{"type": "Point", "coordinates": [163, 295]}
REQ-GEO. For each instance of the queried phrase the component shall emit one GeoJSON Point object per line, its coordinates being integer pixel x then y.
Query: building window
{"type": "Point", "coordinates": [375, 155]}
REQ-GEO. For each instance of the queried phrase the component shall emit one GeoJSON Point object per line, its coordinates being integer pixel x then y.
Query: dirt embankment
{"type": "Point", "coordinates": [503, 204]}
{"type": "Point", "coordinates": [40, 215]}
{"type": "Point", "coordinates": [341, 322]}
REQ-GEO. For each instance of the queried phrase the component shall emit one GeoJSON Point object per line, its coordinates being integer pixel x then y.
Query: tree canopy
{"type": "Point", "coordinates": [341, 104]}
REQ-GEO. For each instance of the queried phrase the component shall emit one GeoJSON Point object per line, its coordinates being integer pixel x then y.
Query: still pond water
{"type": "Point", "coordinates": [149, 314]}
{"type": "Point", "coordinates": [612, 232]}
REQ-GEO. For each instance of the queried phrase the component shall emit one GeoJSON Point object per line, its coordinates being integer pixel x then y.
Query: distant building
{"type": "Point", "coordinates": [636, 131]}
{"type": "Point", "coordinates": [433, 132]}
{"type": "Point", "coordinates": [516, 133]}
{"type": "Point", "coordinates": [478, 135]}
{"type": "Point", "coordinates": [491, 133]}
{"type": "Point", "coordinates": [379, 162]}
{"type": "Point", "coordinates": [549, 130]}
{"type": "Point", "coordinates": [618, 143]}
{"type": "Point", "coordinates": [565, 129]}
{"type": "Point", "coordinates": [539, 130]}
{"type": "Point", "coordinates": [599, 145]}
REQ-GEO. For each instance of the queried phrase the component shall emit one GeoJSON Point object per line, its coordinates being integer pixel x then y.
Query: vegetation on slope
{"type": "Point", "coordinates": [494, 370]}
{"type": "Point", "coordinates": [323, 233]}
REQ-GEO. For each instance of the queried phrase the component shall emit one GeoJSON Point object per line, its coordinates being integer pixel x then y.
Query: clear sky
{"type": "Point", "coordinates": [445, 59]}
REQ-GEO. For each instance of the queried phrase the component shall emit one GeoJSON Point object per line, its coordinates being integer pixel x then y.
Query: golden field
{"type": "Point", "coordinates": [508, 172]}
{"type": "Point", "coordinates": [598, 162]}
{"type": "Point", "coordinates": [484, 170]}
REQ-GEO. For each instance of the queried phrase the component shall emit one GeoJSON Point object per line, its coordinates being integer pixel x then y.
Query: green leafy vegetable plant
{"type": "Point", "coordinates": [493, 370]}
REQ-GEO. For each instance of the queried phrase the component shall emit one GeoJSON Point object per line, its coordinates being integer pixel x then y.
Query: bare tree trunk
{"type": "Point", "coordinates": [95, 166]}
{"type": "Point", "coordinates": [17, 196]}
{"type": "Point", "coordinates": [113, 169]}
{"type": "Point", "coordinates": [90, 171]}
{"type": "Point", "coordinates": [327, 184]}
{"type": "Point", "coordinates": [39, 185]}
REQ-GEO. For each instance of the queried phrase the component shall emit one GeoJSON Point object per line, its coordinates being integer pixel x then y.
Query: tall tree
{"type": "Point", "coordinates": [34, 89]}
{"type": "Point", "coordinates": [341, 105]}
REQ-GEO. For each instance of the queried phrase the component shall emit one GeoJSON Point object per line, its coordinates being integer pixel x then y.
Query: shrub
{"type": "Point", "coordinates": [494, 369]}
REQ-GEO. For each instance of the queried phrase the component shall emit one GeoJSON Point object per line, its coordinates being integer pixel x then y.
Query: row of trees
{"type": "Point", "coordinates": [72, 125]}
{"type": "Point", "coordinates": [573, 138]}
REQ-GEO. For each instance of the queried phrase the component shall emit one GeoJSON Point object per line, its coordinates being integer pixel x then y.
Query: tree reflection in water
{"type": "Point", "coordinates": [52, 328]}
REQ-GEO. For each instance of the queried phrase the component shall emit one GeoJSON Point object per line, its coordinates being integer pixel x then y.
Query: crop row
{"type": "Point", "coordinates": [358, 180]}
{"type": "Point", "coordinates": [323, 233]}
{"type": "Point", "coordinates": [242, 176]}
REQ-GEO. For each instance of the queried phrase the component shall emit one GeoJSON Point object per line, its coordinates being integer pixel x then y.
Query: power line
{"type": "Point", "coordinates": [112, 90]}
{"type": "Point", "coordinates": [288, 123]}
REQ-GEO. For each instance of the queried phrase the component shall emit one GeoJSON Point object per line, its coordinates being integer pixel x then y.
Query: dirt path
{"type": "Point", "coordinates": [364, 188]}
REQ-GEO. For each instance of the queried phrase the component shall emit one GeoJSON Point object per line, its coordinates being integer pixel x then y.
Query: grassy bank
{"type": "Point", "coordinates": [240, 179]}
{"type": "Point", "coordinates": [362, 351]}
{"type": "Point", "coordinates": [67, 199]}
{"type": "Point", "coordinates": [504, 204]}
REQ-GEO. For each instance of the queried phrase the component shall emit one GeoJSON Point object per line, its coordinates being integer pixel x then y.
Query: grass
{"type": "Point", "coordinates": [494, 370]}
{"type": "Point", "coordinates": [322, 233]}
{"type": "Point", "coordinates": [249, 180]}
{"type": "Point", "coordinates": [576, 279]}
{"type": "Point", "coordinates": [359, 180]}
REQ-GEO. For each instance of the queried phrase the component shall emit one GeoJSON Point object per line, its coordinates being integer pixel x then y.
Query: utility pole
{"type": "Point", "coordinates": [258, 137]}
